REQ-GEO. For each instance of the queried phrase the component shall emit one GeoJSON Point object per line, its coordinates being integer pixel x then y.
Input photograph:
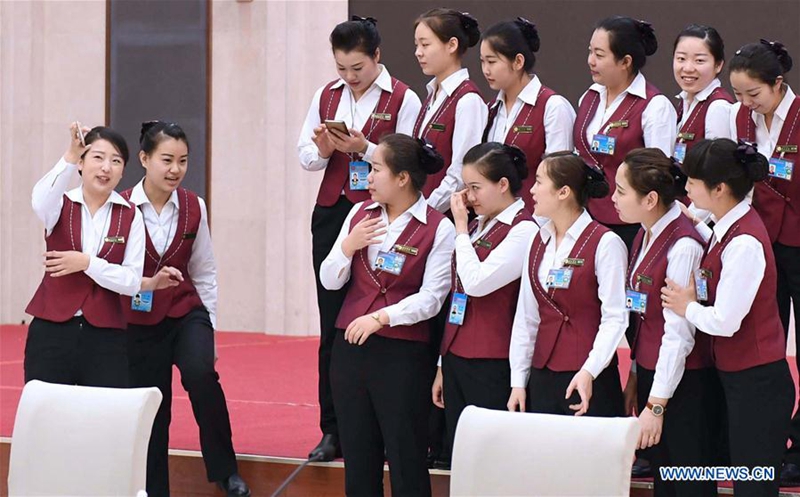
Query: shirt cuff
{"type": "Point", "coordinates": [661, 391]}
{"type": "Point", "coordinates": [439, 362]}
{"type": "Point", "coordinates": [463, 241]}
{"type": "Point", "coordinates": [370, 151]}
{"type": "Point", "coordinates": [519, 379]}
{"type": "Point", "coordinates": [592, 368]}
{"type": "Point", "coordinates": [96, 266]}
{"type": "Point", "coordinates": [392, 312]}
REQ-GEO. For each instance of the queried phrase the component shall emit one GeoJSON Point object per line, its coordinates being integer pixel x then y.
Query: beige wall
{"type": "Point", "coordinates": [51, 72]}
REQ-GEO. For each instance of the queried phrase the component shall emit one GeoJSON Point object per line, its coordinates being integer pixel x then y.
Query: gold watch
{"type": "Point", "coordinates": [657, 409]}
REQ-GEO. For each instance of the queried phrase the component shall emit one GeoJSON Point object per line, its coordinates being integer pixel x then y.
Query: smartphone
{"type": "Point", "coordinates": [339, 126]}
{"type": "Point", "coordinates": [80, 134]}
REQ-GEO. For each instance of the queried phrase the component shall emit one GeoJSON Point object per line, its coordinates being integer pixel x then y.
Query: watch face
{"type": "Point", "coordinates": [658, 410]}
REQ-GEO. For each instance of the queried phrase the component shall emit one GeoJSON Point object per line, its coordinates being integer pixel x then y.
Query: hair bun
{"type": "Point", "coordinates": [429, 159]}
{"type": "Point", "coordinates": [470, 26]}
{"type": "Point", "coordinates": [756, 166]}
{"type": "Point", "coordinates": [368, 20]}
{"type": "Point", "coordinates": [648, 35]}
{"type": "Point", "coordinates": [780, 51]}
{"type": "Point", "coordinates": [596, 184]}
{"type": "Point", "coordinates": [146, 126]}
{"type": "Point", "coordinates": [529, 31]}
{"type": "Point", "coordinates": [679, 178]}
{"type": "Point", "coordinates": [518, 158]}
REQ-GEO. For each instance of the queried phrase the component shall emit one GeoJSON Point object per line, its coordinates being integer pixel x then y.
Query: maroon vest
{"type": "Point", "coordinates": [570, 318]}
{"type": "Point", "coordinates": [696, 122]}
{"type": "Point", "coordinates": [439, 131]}
{"type": "Point", "coordinates": [627, 139]}
{"type": "Point", "coordinates": [777, 200]}
{"type": "Point", "coordinates": [650, 326]}
{"type": "Point", "coordinates": [337, 172]}
{"type": "Point", "coordinates": [486, 332]}
{"type": "Point", "coordinates": [531, 142]}
{"type": "Point", "coordinates": [760, 338]}
{"type": "Point", "coordinates": [58, 299]}
{"type": "Point", "coordinates": [177, 301]}
{"type": "Point", "coordinates": [372, 290]}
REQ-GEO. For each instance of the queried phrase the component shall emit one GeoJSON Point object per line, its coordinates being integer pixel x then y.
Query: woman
{"type": "Point", "coordinates": [394, 254]}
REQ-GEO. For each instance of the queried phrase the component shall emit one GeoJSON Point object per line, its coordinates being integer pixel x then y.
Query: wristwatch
{"type": "Point", "coordinates": [657, 409]}
{"type": "Point", "coordinates": [377, 317]}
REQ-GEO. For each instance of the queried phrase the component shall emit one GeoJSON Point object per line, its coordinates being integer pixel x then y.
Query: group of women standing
{"type": "Point", "coordinates": [520, 240]}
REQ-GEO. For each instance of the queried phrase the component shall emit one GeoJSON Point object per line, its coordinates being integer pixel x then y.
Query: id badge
{"type": "Point", "coordinates": [680, 152]}
{"type": "Point", "coordinates": [559, 278]}
{"type": "Point", "coordinates": [603, 144]}
{"type": "Point", "coordinates": [636, 301]}
{"type": "Point", "coordinates": [390, 262]}
{"type": "Point", "coordinates": [359, 170]}
{"type": "Point", "coordinates": [781, 168]}
{"type": "Point", "coordinates": [142, 301]}
{"type": "Point", "coordinates": [458, 307]}
{"type": "Point", "coordinates": [701, 284]}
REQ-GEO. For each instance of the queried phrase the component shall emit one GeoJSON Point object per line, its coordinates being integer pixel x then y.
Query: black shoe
{"type": "Point", "coordinates": [641, 468]}
{"type": "Point", "coordinates": [327, 449]}
{"type": "Point", "coordinates": [234, 486]}
{"type": "Point", "coordinates": [790, 475]}
{"type": "Point", "coordinates": [441, 464]}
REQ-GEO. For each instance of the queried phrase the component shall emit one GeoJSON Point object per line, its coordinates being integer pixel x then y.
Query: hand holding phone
{"type": "Point", "coordinates": [339, 126]}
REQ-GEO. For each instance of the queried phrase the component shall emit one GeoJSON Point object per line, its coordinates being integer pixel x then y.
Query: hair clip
{"type": "Point", "coordinates": [370, 20]}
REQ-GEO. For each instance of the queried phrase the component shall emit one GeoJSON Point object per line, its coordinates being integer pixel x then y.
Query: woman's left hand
{"type": "Point", "coordinates": [582, 382]}
{"type": "Point", "coordinates": [63, 263]}
{"type": "Point", "coordinates": [652, 427]}
{"type": "Point", "coordinates": [677, 298]}
{"type": "Point", "coordinates": [360, 329]}
{"type": "Point", "coordinates": [355, 143]}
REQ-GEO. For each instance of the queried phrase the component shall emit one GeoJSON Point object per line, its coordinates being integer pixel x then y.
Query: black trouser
{"type": "Point", "coordinates": [688, 436]}
{"type": "Point", "coordinates": [546, 390]}
{"type": "Point", "coordinates": [188, 343]}
{"type": "Point", "coordinates": [759, 401]}
{"type": "Point", "coordinates": [326, 222]}
{"type": "Point", "coordinates": [473, 382]}
{"type": "Point", "coordinates": [438, 447]}
{"type": "Point", "coordinates": [787, 260]}
{"type": "Point", "coordinates": [76, 353]}
{"type": "Point", "coordinates": [382, 397]}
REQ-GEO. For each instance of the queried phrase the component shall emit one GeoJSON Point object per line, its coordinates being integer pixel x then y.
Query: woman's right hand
{"type": "Point", "coordinates": [516, 402]}
{"type": "Point", "coordinates": [458, 207]}
{"type": "Point", "coordinates": [437, 390]}
{"type": "Point", "coordinates": [76, 148]}
{"type": "Point", "coordinates": [630, 393]}
{"type": "Point", "coordinates": [165, 278]}
{"type": "Point", "coordinates": [323, 142]}
{"type": "Point", "coordinates": [366, 232]}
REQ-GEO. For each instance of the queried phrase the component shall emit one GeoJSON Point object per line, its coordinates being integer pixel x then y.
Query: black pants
{"type": "Point", "coordinates": [759, 402]}
{"type": "Point", "coordinates": [382, 398]}
{"type": "Point", "coordinates": [546, 390]}
{"type": "Point", "coordinates": [188, 343]}
{"type": "Point", "coordinates": [473, 382]}
{"type": "Point", "coordinates": [438, 446]}
{"type": "Point", "coordinates": [325, 225]}
{"type": "Point", "coordinates": [787, 259]}
{"type": "Point", "coordinates": [688, 436]}
{"type": "Point", "coordinates": [76, 353]}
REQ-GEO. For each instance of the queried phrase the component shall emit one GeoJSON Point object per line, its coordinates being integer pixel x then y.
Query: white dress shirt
{"type": "Point", "coordinates": [355, 113]}
{"type": "Point", "coordinates": [559, 118]}
{"type": "Point", "coordinates": [743, 267]}
{"type": "Point", "coordinates": [162, 228]}
{"type": "Point", "coordinates": [335, 270]}
{"type": "Point", "coordinates": [718, 114]}
{"type": "Point", "coordinates": [502, 265]}
{"type": "Point", "coordinates": [471, 116]}
{"type": "Point", "coordinates": [767, 139]}
{"type": "Point", "coordinates": [610, 266]}
{"type": "Point", "coordinates": [47, 200]}
{"type": "Point", "coordinates": [658, 119]}
{"type": "Point", "coordinates": [683, 258]}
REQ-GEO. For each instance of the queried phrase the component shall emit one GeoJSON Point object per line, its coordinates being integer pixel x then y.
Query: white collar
{"type": "Point", "coordinates": [508, 214]}
{"type": "Point", "coordinates": [722, 226]}
{"type": "Point", "coordinates": [703, 94]}
{"type": "Point", "coordinates": [659, 226]}
{"type": "Point", "coordinates": [638, 87]}
{"type": "Point", "coordinates": [418, 210]}
{"type": "Point", "coordinates": [383, 81]}
{"type": "Point", "coordinates": [549, 229]}
{"type": "Point", "coordinates": [528, 95]}
{"type": "Point", "coordinates": [450, 83]}
{"type": "Point", "coordinates": [76, 195]}
{"type": "Point", "coordinates": [139, 197]}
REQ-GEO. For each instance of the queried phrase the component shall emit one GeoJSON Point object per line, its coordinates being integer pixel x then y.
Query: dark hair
{"type": "Point", "coordinates": [764, 61]}
{"type": "Point", "coordinates": [154, 132]}
{"type": "Point", "coordinates": [111, 136]}
{"type": "Point", "coordinates": [710, 37]}
{"type": "Point", "coordinates": [449, 23]}
{"type": "Point", "coordinates": [649, 170]}
{"type": "Point", "coordinates": [413, 155]}
{"type": "Point", "coordinates": [627, 36]}
{"type": "Point", "coordinates": [724, 161]}
{"type": "Point", "coordinates": [359, 33]}
{"type": "Point", "coordinates": [567, 169]}
{"type": "Point", "coordinates": [496, 161]}
{"type": "Point", "coordinates": [509, 38]}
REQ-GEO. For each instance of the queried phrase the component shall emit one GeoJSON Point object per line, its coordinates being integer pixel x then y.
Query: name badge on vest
{"type": "Point", "coordinates": [381, 116]}
{"type": "Point", "coordinates": [142, 301]}
{"type": "Point", "coordinates": [436, 126]}
{"type": "Point", "coordinates": [701, 277]}
{"type": "Point", "coordinates": [480, 242]}
{"type": "Point", "coordinates": [114, 239]}
{"type": "Point", "coordinates": [406, 249]}
{"type": "Point", "coordinates": [390, 262]}
{"type": "Point", "coordinates": [635, 301]}
{"type": "Point", "coordinates": [680, 152]}
{"type": "Point", "coordinates": [781, 168]}
{"type": "Point", "coordinates": [359, 170]}
{"type": "Point", "coordinates": [458, 306]}
{"type": "Point", "coordinates": [189, 236]}
{"type": "Point", "coordinates": [573, 261]}
{"type": "Point", "coordinates": [559, 278]}
{"type": "Point", "coordinates": [603, 144]}
{"type": "Point", "coordinates": [523, 129]}
{"type": "Point", "coordinates": [640, 278]}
